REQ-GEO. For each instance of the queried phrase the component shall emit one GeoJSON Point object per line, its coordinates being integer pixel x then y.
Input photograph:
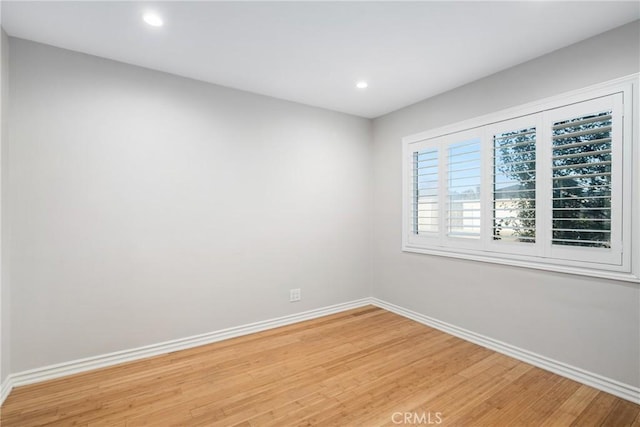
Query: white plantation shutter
{"type": "Point", "coordinates": [423, 215]}
{"type": "Point", "coordinates": [582, 181]}
{"type": "Point", "coordinates": [586, 176]}
{"type": "Point", "coordinates": [425, 203]}
{"type": "Point", "coordinates": [514, 186]}
{"type": "Point", "coordinates": [550, 187]}
{"type": "Point", "coordinates": [463, 185]}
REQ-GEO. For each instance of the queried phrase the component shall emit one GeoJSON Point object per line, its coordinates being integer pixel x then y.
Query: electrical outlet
{"type": "Point", "coordinates": [294, 295]}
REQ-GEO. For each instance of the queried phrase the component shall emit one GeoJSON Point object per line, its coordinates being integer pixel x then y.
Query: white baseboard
{"type": "Point", "coordinates": [599, 382]}
{"type": "Point", "coordinates": [624, 391]}
{"type": "Point", "coordinates": [5, 388]}
{"type": "Point", "coordinates": [110, 359]}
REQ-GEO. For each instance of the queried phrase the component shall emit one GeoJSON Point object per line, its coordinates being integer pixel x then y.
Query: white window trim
{"type": "Point", "coordinates": [630, 191]}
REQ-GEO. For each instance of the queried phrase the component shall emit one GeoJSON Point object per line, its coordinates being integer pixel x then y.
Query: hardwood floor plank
{"type": "Point", "coordinates": [596, 412]}
{"type": "Point", "coordinates": [547, 403]}
{"type": "Point", "coordinates": [572, 407]}
{"type": "Point", "coordinates": [507, 404]}
{"type": "Point", "coordinates": [355, 368]}
{"type": "Point", "coordinates": [623, 414]}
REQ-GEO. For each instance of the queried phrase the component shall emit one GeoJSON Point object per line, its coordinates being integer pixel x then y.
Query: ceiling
{"type": "Point", "coordinates": [315, 52]}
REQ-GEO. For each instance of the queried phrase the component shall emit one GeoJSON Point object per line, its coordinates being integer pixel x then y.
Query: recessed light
{"type": "Point", "coordinates": [362, 85]}
{"type": "Point", "coordinates": [153, 19]}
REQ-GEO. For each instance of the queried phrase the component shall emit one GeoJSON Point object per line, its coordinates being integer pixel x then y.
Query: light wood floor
{"type": "Point", "coordinates": [364, 367]}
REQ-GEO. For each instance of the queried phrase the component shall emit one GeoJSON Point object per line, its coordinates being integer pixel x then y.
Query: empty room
{"type": "Point", "coordinates": [309, 213]}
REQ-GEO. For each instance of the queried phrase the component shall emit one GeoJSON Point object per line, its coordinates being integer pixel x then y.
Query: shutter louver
{"type": "Point", "coordinates": [514, 186]}
{"type": "Point", "coordinates": [425, 192]}
{"type": "Point", "coordinates": [581, 175]}
{"type": "Point", "coordinates": [464, 180]}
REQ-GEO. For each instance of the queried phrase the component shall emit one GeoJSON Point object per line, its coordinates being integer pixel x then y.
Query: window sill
{"type": "Point", "coordinates": [581, 271]}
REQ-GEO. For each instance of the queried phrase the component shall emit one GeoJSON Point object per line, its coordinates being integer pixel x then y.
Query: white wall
{"type": "Point", "coordinates": [3, 297]}
{"type": "Point", "coordinates": [5, 290]}
{"type": "Point", "coordinates": [146, 207]}
{"type": "Point", "coordinates": [592, 324]}
{"type": "Point", "coordinates": [5, 309]}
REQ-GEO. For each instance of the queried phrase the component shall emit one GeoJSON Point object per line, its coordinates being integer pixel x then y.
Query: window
{"type": "Point", "coordinates": [548, 185]}
{"type": "Point", "coordinates": [514, 186]}
{"type": "Point", "coordinates": [582, 181]}
{"type": "Point", "coordinates": [463, 189]}
{"type": "Point", "coordinates": [425, 200]}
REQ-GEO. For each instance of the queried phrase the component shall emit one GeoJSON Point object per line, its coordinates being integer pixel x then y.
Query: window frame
{"type": "Point", "coordinates": [543, 256]}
